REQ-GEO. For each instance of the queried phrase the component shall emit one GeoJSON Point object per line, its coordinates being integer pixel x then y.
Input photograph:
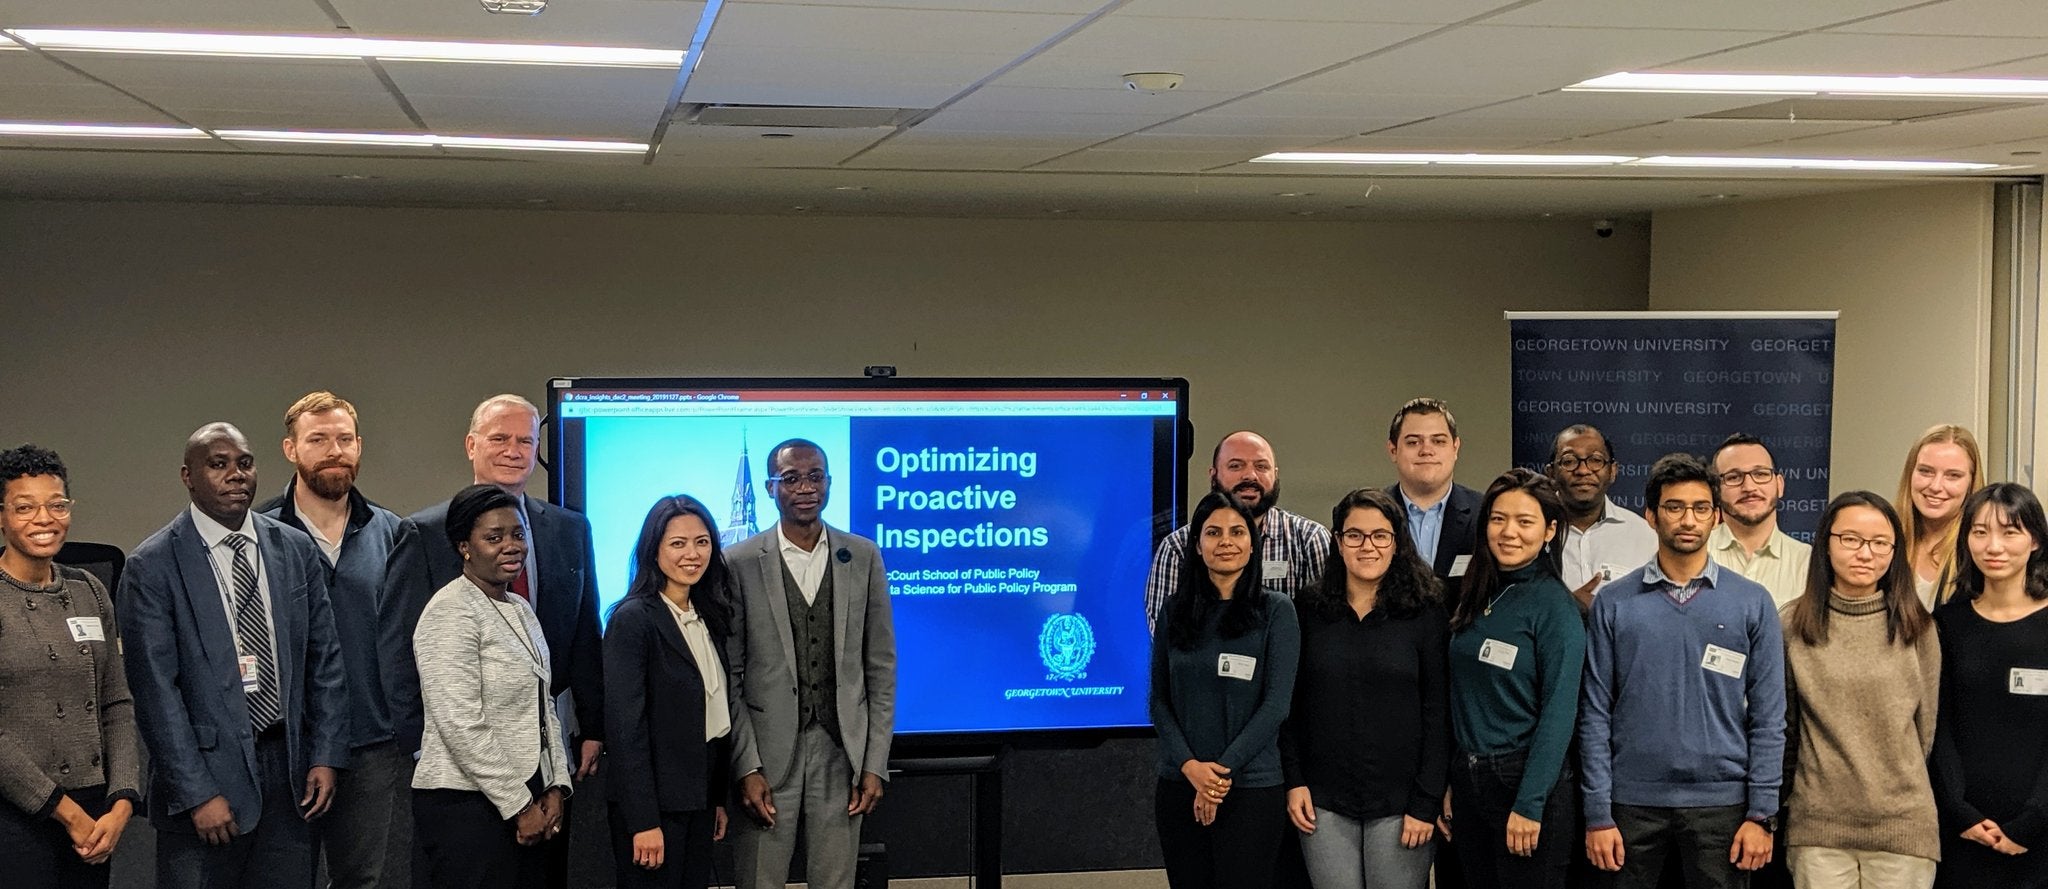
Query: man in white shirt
{"type": "Point", "coordinates": [1602, 541]}
{"type": "Point", "coordinates": [1748, 540]}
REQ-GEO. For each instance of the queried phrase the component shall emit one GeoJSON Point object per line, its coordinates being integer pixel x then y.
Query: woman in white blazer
{"type": "Point", "coordinates": [492, 774]}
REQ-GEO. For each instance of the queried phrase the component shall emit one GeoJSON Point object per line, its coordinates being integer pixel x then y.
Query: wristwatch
{"type": "Point", "coordinates": [1770, 824]}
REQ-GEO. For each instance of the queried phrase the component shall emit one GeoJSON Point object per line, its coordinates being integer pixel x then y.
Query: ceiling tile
{"type": "Point", "coordinates": [281, 109]}
{"type": "Point", "coordinates": [687, 145]}
{"type": "Point", "coordinates": [1076, 7]}
{"type": "Point", "coordinates": [1613, 106]}
{"type": "Point", "coordinates": [1500, 60]}
{"type": "Point", "coordinates": [1301, 102]}
{"type": "Point", "coordinates": [1292, 127]}
{"type": "Point", "coordinates": [1723, 15]}
{"type": "Point", "coordinates": [1969, 18]}
{"type": "Point", "coordinates": [1233, 56]}
{"type": "Point", "coordinates": [520, 117]}
{"type": "Point", "coordinates": [1693, 136]}
{"type": "Point", "coordinates": [1435, 12]}
{"type": "Point", "coordinates": [1148, 161]}
{"type": "Point", "coordinates": [537, 82]}
{"type": "Point", "coordinates": [234, 16]}
{"type": "Point", "coordinates": [1025, 123]}
{"type": "Point", "coordinates": [667, 24]}
{"type": "Point", "coordinates": [892, 155]}
{"type": "Point", "coordinates": [1047, 100]}
{"type": "Point", "coordinates": [1452, 129]}
{"type": "Point", "coordinates": [1875, 54]}
{"type": "Point", "coordinates": [881, 30]}
{"type": "Point", "coordinates": [141, 73]}
{"type": "Point", "coordinates": [838, 77]}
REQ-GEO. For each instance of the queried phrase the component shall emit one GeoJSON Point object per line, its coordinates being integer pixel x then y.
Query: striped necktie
{"type": "Point", "coordinates": [252, 633]}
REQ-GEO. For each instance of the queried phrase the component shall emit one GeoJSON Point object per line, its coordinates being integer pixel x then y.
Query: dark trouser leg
{"type": "Point", "coordinates": [367, 835]}
{"type": "Point", "coordinates": [1548, 866]}
{"type": "Point", "coordinates": [1249, 828]}
{"type": "Point", "coordinates": [283, 854]}
{"type": "Point", "coordinates": [1704, 837]}
{"type": "Point", "coordinates": [36, 853]}
{"type": "Point", "coordinates": [468, 845]}
{"type": "Point", "coordinates": [1184, 844]}
{"type": "Point", "coordinates": [686, 852]}
{"type": "Point", "coordinates": [1483, 791]}
{"type": "Point", "coordinates": [1647, 834]}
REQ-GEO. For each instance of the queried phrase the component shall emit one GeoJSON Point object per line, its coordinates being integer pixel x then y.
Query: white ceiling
{"type": "Point", "coordinates": [1021, 107]}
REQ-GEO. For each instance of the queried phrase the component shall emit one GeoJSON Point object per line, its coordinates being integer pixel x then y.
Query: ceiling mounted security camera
{"type": "Point", "coordinates": [1153, 81]}
{"type": "Point", "coordinates": [514, 7]}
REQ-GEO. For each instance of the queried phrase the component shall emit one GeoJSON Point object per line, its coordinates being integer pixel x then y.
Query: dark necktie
{"type": "Point", "coordinates": [252, 631]}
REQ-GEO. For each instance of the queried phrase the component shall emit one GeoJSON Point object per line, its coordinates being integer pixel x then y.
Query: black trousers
{"type": "Point", "coordinates": [37, 853]}
{"type": "Point", "coordinates": [278, 854]}
{"type": "Point", "coordinates": [1483, 792]}
{"type": "Point", "coordinates": [468, 845]}
{"type": "Point", "coordinates": [1237, 851]}
{"type": "Point", "coordinates": [1698, 837]}
{"type": "Point", "coordinates": [686, 852]}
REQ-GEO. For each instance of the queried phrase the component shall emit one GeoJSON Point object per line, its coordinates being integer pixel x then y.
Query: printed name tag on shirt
{"type": "Point", "coordinates": [1498, 653]}
{"type": "Point", "coordinates": [1274, 569]}
{"type": "Point", "coordinates": [1459, 564]}
{"type": "Point", "coordinates": [250, 681]}
{"type": "Point", "coordinates": [1236, 666]}
{"type": "Point", "coordinates": [2027, 681]}
{"type": "Point", "coordinates": [85, 629]}
{"type": "Point", "coordinates": [1723, 661]}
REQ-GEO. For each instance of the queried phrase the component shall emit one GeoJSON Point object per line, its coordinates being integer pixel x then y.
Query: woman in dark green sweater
{"type": "Point", "coordinates": [1223, 666]}
{"type": "Point", "coordinates": [1518, 648]}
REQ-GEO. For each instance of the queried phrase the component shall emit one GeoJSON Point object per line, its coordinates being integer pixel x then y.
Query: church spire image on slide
{"type": "Point", "coordinates": [741, 525]}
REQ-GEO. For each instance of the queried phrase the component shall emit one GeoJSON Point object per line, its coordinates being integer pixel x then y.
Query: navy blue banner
{"type": "Point", "coordinates": [1658, 384]}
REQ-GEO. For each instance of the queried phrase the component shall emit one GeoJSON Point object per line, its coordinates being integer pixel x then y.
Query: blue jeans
{"type": "Point", "coordinates": [1345, 853]}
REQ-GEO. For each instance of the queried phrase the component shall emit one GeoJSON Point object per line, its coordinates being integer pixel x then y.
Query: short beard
{"type": "Point", "coordinates": [1728, 513]}
{"type": "Point", "coordinates": [329, 485]}
{"type": "Point", "coordinates": [1268, 498]}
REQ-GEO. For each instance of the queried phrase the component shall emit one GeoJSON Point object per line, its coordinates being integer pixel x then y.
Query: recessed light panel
{"type": "Point", "coordinates": [286, 46]}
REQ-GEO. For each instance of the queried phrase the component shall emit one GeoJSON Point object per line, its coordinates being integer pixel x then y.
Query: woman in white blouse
{"type": "Point", "coordinates": [667, 710]}
{"type": "Point", "coordinates": [492, 776]}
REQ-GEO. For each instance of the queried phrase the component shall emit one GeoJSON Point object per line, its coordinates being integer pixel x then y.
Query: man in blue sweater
{"type": "Point", "coordinates": [1682, 725]}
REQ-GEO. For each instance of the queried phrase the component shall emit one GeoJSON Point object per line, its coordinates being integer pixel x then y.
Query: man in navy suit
{"type": "Point", "coordinates": [1423, 443]}
{"type": "Point", "coordinates": [559, 584]}
{"type": "Point", "coordinates": [240, 694]}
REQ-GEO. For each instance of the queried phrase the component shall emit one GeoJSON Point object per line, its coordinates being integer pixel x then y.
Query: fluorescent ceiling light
{"type": "Point", "coordinates": [1814, 84]}
{"type": "Point", "coordinates": [1815, 163]}
{"type": "Point", "coordinates": [114, 131]}
{"type": "Point", "coordinates": [1382, 158]}
{"type": "Point", "coordinates": [429, 140]}
{"type": "Point", "coordinates": [284, 46]}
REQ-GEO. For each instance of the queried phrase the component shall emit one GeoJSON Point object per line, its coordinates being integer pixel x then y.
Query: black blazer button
{"type": "Point", "coordinates": [64, 769]}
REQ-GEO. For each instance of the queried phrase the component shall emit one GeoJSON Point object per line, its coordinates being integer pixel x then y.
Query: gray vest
{"type": "Point", "coordinates": [817, 670]}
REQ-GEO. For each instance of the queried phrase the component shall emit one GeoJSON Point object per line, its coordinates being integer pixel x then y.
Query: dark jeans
{"type": "Point", "coordinates": [685, 850]}
{"type": "Point", "coordinates": [1236, 851]}
{"type": "Point", "coordinates": [277, 853]}
{"type": "Point", "coordinates": [468, 845]}
{"type": "Point", "coordinates": [36, 852]}
{"type": "Point", "coordinates": [367, 835]}
{"type": "Point", "coordinates": [1483, 792]}
{"type": "Point", "coordinates": [1698, 837]}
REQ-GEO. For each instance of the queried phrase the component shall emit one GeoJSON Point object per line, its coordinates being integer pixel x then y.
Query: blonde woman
{"type": "Point", "coordinates": [1943, 467]}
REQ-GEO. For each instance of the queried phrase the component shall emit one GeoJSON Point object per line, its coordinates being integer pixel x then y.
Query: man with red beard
{"type": "Point", "coordinates": [1292, 549]}
{"type": "Point", "coordinates": [367, 836]}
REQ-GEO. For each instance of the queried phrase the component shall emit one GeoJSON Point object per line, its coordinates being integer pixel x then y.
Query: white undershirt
{"type": "Point", "coordinates": [806, 565]}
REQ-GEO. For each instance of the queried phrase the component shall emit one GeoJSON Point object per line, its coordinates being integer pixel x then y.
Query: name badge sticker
{"type": "Point", "coordinates": [250, 681]}
{"type": "Point", "coordinates": [1721, 660]}
{"type": "Point", "coordinates": [1459, 564]}
{"type": "Point", "coordinates": [2027, 681]}
{"type": "Point", "coordinates": [85, 629]}
{"type": "Point", "coordinates": [1274, 569]}
{"type": "Point", "coordinates": [1236, 666]}
{"type": "Point", "coordinates": [1498, 653]}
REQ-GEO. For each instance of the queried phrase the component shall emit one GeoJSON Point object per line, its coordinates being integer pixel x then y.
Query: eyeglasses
{"type": "Point", "coordinates": [1355, 538]}
{"type": "Point", "coordinates": [1760, 477]}
{"type": "Point", "coordinates": [815, 479]}
{"type": "Point", "coordinates": [1673, 509]}
{"type": "Point", "coordinates": [58, 509]}
{"type": "Point", "coordinates": [1571, 463]}
{"type": "Point", "coordinates": [1879, 546]}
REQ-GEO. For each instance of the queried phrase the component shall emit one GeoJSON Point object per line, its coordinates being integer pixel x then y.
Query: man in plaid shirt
{"type": "Point", "coordinates": [1292, 548]}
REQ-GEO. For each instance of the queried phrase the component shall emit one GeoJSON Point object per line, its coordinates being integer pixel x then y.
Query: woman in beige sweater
{"type": "Point", "coordinates": [1863, 671]}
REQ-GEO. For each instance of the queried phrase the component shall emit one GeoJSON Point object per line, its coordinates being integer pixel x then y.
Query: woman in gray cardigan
{"type": "Point", "coordinates": [492, 775]}
{"type": "Point", "coordinates": [69, 762]}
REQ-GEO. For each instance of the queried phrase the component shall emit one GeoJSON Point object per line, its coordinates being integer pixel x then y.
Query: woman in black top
{"type": "Point", "coordinates": [1222, 678]}
{"type": "Point", "coordinates": [668, 722]}
{"type": "Point", "coordinates": [1368, 742]}
{"type": "Point", "coordinates": [67, 785]}
{"type": "Point", "coordinates": [1990, 768]}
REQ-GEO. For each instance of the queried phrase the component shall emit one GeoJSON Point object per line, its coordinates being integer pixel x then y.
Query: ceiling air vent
{"type": "Point", "coordinates": [1870, 110]}
{"type": "Point", "coordinates": [796, 116]}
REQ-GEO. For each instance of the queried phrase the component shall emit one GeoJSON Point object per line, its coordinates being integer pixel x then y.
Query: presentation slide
{"type": "Point", "coordinates": [1016, 520]}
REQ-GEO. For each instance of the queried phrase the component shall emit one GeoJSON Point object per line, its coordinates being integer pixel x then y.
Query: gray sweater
{"type": "Point", "coordinates": [66, 720]}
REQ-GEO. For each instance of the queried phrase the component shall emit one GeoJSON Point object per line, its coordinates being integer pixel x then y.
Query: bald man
{"type": "Point", "coordinates": [1292, 548]}
{"type": "Point", "coordinates": [237, 677]}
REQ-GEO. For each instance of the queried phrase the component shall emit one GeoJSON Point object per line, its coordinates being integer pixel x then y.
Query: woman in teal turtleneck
{"type": "Point", "coordinates": [1518, 647]}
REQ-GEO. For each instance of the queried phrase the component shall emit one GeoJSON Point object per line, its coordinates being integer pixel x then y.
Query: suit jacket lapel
{"type": "Point", "coordinates": [497, 622]}
{"type": "Point", "coordinates": [842, 594]}
{"type": "Point", "coordinates": [203, 595]}
{"type": "Point", "coordinates": [778, 596]}
{"type": "Point", "coordinates": [665, 626]}
{"type": "Point", "coordinates": [285, 627]}
{"type": "Point", "coordinates": [557, 591]}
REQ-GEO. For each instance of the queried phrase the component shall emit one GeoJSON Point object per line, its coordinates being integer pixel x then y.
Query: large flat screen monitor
{"type": "Point", "coordinates": [1016, 517]}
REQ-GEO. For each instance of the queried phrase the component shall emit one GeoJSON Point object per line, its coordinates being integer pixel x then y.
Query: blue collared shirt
{"type": "Point", "coordinates": [1426, 526]}
{"type": "Point", "coordinates": [1655, 579]}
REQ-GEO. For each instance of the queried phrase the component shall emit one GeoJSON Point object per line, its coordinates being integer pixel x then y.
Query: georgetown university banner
{"type": "Point", "coordinates": [1658, 382]}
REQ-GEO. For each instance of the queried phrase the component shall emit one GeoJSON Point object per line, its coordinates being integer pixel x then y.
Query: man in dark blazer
{"type": "Point", "coordinates": [1423, 443]}
{"type": "Point", "coordinates": [240, 694]}
{"type": "Point", "coordinates": [559, 583]}
{"type": "Point", "coordinates": [815, 662]}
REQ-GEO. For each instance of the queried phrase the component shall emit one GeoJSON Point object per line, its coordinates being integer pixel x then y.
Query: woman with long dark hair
{"type": "Point", "coordinates": [1367, 744]}
{"type": "Point", "coordinates": [1517, 651]}
{"type": "Point", "coordinates": [1863, 678]}
{"type": "Point", "coordinates": [667, 709]}
{"type": "Point", "coordinates": [1990, 768]}
{"type": "Point", "coordinates": [1223, 665]}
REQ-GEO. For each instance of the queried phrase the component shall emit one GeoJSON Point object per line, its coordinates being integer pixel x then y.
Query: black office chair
{"type": "Point", "coordinates": [104, 560]}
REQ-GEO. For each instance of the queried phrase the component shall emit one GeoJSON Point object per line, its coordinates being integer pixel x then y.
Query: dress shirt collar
{"type": "Point", "coordinates": [1723, 540]}
{"type": "Point", "coordinates": [214, 532]}
{"type": "Point", "coordinates": [789, 547]}
{"type": "Point", "coordinates": [1654, 576]}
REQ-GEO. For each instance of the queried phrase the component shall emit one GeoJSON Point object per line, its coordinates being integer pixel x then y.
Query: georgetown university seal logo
{"type": "Point", "coordinates": [1066, 645]}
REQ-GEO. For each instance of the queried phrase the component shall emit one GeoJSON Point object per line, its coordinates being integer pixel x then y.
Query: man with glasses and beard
{"type": "Point", "coordinates": [1292, 548]}
{"type": "Point", "coordinates": [1601, 540]}
{"type": "Point", "coordinates": [367, 835]}
{"type": "Point", "coordinates": [1748, 539]}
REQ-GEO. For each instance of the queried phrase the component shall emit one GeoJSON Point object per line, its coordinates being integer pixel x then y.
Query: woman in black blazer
{"type": "Point", "coordinates": [667, 710]}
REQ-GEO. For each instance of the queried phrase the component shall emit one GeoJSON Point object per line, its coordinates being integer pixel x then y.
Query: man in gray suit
{"type": "Point", "coordinates": [815, 662]}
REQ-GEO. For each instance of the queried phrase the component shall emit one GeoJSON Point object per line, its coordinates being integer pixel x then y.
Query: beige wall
{"type": "Point", "coordinates": [1910, 270]}
{"type": "Point", "coordinates": [145, 320]}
